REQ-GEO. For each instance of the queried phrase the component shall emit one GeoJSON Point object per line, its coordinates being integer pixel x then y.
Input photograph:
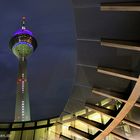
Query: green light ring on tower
{"type": "Point", "coordinates": [22, 49]}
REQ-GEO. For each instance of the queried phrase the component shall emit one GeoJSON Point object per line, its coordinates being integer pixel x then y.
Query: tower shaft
{"type": "Point", "coordinates": [22, 110]}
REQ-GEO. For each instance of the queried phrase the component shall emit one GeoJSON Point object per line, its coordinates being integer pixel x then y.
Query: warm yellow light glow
{"type": "Point", "coordinates": [95, 117]}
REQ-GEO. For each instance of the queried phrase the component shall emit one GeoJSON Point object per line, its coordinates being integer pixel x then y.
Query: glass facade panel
{"type": "Point", "coordinates": [53, 120]}
{"type": "Point", "coordinates": [42, 123]}
{"type": "Point", "coordinates": [95, 117]}
{"type": "Point", "coordinates": [4, 125]}
{"type": "Point", "coordinates": [67, 117]}
{"type": "Point", "coordinates": [28, 134]}
{"type": "Point", "coordinates": [15, 135]}
{"type": "Point", "coordinates": [31, 124]}
{"type": "Point", "coordinates": [40, 134]}
{"type": "Point", "coordinates": [52, 133]}
{"type": "Point", "coordinates": [17, 125]}
{"type": "Point", "coordinates": [80, 112]}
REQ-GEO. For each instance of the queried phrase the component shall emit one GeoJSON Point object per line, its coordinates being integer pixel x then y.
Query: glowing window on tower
{"type": "Point", "coordinates": [22, 86]}
{"type": "Point", "coordinates": [22, 75]}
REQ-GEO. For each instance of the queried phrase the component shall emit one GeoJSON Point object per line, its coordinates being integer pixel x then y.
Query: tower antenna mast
{"type": "Point", "coordinates": [23, 22]}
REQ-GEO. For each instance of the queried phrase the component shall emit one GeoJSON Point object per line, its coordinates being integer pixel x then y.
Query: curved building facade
{"type": "Point", "coordinates": [105, 103]}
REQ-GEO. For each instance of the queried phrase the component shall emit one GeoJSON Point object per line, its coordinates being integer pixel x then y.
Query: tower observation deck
{"type": "Point", "coordinates": [22, 44]}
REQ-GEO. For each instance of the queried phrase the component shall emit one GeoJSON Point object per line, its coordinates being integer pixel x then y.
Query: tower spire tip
{"type": "Point", "coordinates": [23, 17]}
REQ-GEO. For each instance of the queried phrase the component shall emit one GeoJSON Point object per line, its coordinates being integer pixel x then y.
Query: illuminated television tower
{"type": "Point", "coordinates": [22, 45]}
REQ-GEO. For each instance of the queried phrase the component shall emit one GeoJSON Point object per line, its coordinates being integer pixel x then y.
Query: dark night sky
{"type": "Point", "coordinates": [51, 68]}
